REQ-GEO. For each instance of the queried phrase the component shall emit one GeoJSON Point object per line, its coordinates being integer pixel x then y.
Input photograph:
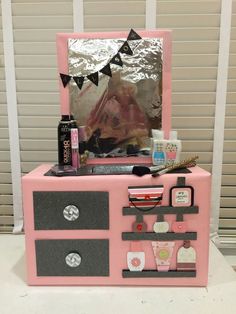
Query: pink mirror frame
{"type": "Point", "coordinates": [62, 54]}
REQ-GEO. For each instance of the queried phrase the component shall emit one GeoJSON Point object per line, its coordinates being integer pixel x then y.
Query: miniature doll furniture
{"type": "Point", "coordinates": [80, 229]}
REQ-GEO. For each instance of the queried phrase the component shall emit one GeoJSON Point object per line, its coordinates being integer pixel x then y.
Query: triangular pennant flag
{"type": "Point", "coordinates": [93, 78]}
{"type": "Point", "coordinates": [133, 35]}
{"type": "Point", "coordinates": [106, 70]}
{"type": "Point", "coordinates": [65, 79]}
{"type": "Point", "coordinates": [125, 48]}
{"type": "Point", "coordinates": [117, 60]}
{"type": "Point", "coordinates": [79, 80]}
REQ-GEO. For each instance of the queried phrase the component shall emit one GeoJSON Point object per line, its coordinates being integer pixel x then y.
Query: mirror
{"type": "Point", "coordinates": [117, 88]}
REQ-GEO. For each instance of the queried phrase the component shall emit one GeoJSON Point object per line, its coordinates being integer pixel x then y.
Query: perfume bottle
{"type": "Point", "coordinates": [186, 257]}
{"type": "Point", "coordinates": [181, 195]}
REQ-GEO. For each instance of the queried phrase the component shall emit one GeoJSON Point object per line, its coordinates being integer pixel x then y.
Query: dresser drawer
{"type": "Point", "coordinates": [71, 210]}
{"type": "Point", "coordinates": [72, 257]}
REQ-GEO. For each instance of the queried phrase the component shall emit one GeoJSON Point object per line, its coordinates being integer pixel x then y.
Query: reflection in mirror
{"type": "Point", "coordinates": [118, 111]}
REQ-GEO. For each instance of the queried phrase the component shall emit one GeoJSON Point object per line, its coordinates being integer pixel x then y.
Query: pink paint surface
{"type": "Point", "coordinates": [117, 186]}
{"type": "Point", "coordinates": [62, 56]}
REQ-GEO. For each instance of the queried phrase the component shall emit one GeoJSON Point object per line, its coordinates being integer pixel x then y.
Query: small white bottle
{"type": "Point", "coordinates": [136, 257]}
{"type": "Point", "coordinates": [173, 148]}
{"type": "Point", "coordinates": [158, 148]}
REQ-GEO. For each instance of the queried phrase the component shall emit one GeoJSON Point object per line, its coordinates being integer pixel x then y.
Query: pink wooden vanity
{"type": "Point", "coordinates": [89, 245]}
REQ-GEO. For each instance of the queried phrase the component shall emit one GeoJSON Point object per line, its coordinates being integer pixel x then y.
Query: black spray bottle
{"type": "Point", "coordinates": [64, 141]}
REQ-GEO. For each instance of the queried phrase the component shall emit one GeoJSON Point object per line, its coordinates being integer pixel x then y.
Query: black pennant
{"type": "Point", "coordinates": [125, 48]}
{"type": "Point", "coordinates": [93, 78]}
{"type": "Point", "coordinates": [117, 60]}
{"type": "Point", "coordinates": [133, 35]}
{"type": "Point", "coordinates": [106, 70]}
{"type": "Point", "coordinates": [65, 79]}
{"type": "Point", "coordinates": [79, 80]}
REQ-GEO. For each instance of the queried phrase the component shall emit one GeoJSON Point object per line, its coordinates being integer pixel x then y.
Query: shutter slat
{"type": "Point", "coordinates": [229, 179]}
{"type": "Point", "coordinates": [38, 133]}
{"type": "Point", "coordinates": [39, 110]}
{"type": "Point", "coordinates": [193, 73]}
{"type": "Point", "coordinates": [228, 190]}
{"type": "Point", "coordinates": [4, 145]}
{"type": "Point", "coordinates": [29, 9]}
{"type": "Point", "coordinates": [7, 208]}
{"type": "Point", "coordinates": [227, 223]}
{"type": "Point", "coordinates": [5, 178]}
{"type": "Point", "coordinates": [43, 145]}
{"type": "Point", "coordinates": [42, 22]}
{"type": "Point", "coordinates": [229, 168]}
{"type": "Point", "coordinates": [36, 73]}
{"type": "Point", "coordinates": [6, 188]}
{"type": "Point", "coordinates": [6, 220]}
{"type": "Point", "coordinates": [228, 202]}
{"type": "Point", "coordinates": [5, 167]}
{"type": "Point", "coordinates": [228, 212]}
{"type": "Point", "coordinates": [38, 98]}
{"type": "Point", "coordinates": [192, 122]}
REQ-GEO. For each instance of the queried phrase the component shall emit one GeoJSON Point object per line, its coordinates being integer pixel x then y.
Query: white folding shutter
{"type": "Point", "coordinates": [195, 26]}
{"type": "Point", "coordinates": [113, 15]}
{"type": "Point", "coordinates": [35, 26]}
{"type": "Point", "coordinates": [227, 227]}
{"type": "Point", "coordinates": [6, 208]}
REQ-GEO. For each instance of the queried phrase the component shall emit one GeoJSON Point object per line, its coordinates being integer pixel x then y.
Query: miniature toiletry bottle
{"type": "Point", "coordinates": [64, 141]}
{"type": "Point", "coordinates": [172, 149]}
{"type": "Point", "coordinates": [160, 226]}
{"type": "Point", "coordinates": [181, 195]}
{"type": "Point", "coordinates": [139, 225]}
{"type": "Point", "coordinates": [75, 144]}
{"type": "Point", "coordinates": [158, 147]}
{"type": "Point", "coordinates": [163, 253]}
{"type": "Point", "coordinates": [186, 257]}
{"type": "Point", "coordinates": [136, 258]}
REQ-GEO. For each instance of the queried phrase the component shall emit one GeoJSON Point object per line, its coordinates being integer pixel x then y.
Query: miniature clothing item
{"type": "Point", "coordinates": [186, 258]}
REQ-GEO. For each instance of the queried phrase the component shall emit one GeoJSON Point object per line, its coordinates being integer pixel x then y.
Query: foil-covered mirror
{"type": "Point", "coordinates": [117, 86]}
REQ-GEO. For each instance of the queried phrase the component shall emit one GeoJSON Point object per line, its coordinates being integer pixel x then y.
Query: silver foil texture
{"type": "Point", "coordinates": [120, 112]}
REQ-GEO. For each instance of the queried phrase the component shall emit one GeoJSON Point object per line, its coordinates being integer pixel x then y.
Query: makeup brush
{"type": "Point", "coordinates": [186, 163]}
{"type": "Point", "coordinates": [142, 170]}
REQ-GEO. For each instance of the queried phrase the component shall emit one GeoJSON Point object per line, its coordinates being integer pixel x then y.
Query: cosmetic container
{"type": "Point", "coordinates": [158, 148]}
{"type": "Point", "coordinates": [64, 141]}
{"type": "Point", "coordinates": [172, 149]}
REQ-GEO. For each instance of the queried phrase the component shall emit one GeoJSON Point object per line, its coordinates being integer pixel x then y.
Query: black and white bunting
{"type": "Point", "coordinates": [116, 59]}
{"type": "Point", "coordinates": [125, 48]}
{"type": "Point", "coordinates": [93, 77]}
{"type": "Point", "coordinates": [79, 80]}
{"type": "Point", "coordinates": [133, 35]}
{"type": "Point", "coordinates": [106, 70]}
{"type": "Point", "coordinates": [65, 79]}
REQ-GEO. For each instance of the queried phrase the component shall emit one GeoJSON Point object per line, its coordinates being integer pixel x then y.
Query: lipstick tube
{"type": "Point", "coordinates": [75, 145]}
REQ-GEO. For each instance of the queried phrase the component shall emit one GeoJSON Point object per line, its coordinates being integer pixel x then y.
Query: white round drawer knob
{"type": "Point", "coordinates": [71, 212]}
{"type": "Point", "coordinates": [73, 259]}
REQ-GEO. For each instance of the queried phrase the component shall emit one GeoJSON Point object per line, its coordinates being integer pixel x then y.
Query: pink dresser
{"type": "Point", "coordinates": [79, 229]}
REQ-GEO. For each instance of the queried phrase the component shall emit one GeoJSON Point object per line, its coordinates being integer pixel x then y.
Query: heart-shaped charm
{"type": "Point", "coordinates": [161, 227]}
